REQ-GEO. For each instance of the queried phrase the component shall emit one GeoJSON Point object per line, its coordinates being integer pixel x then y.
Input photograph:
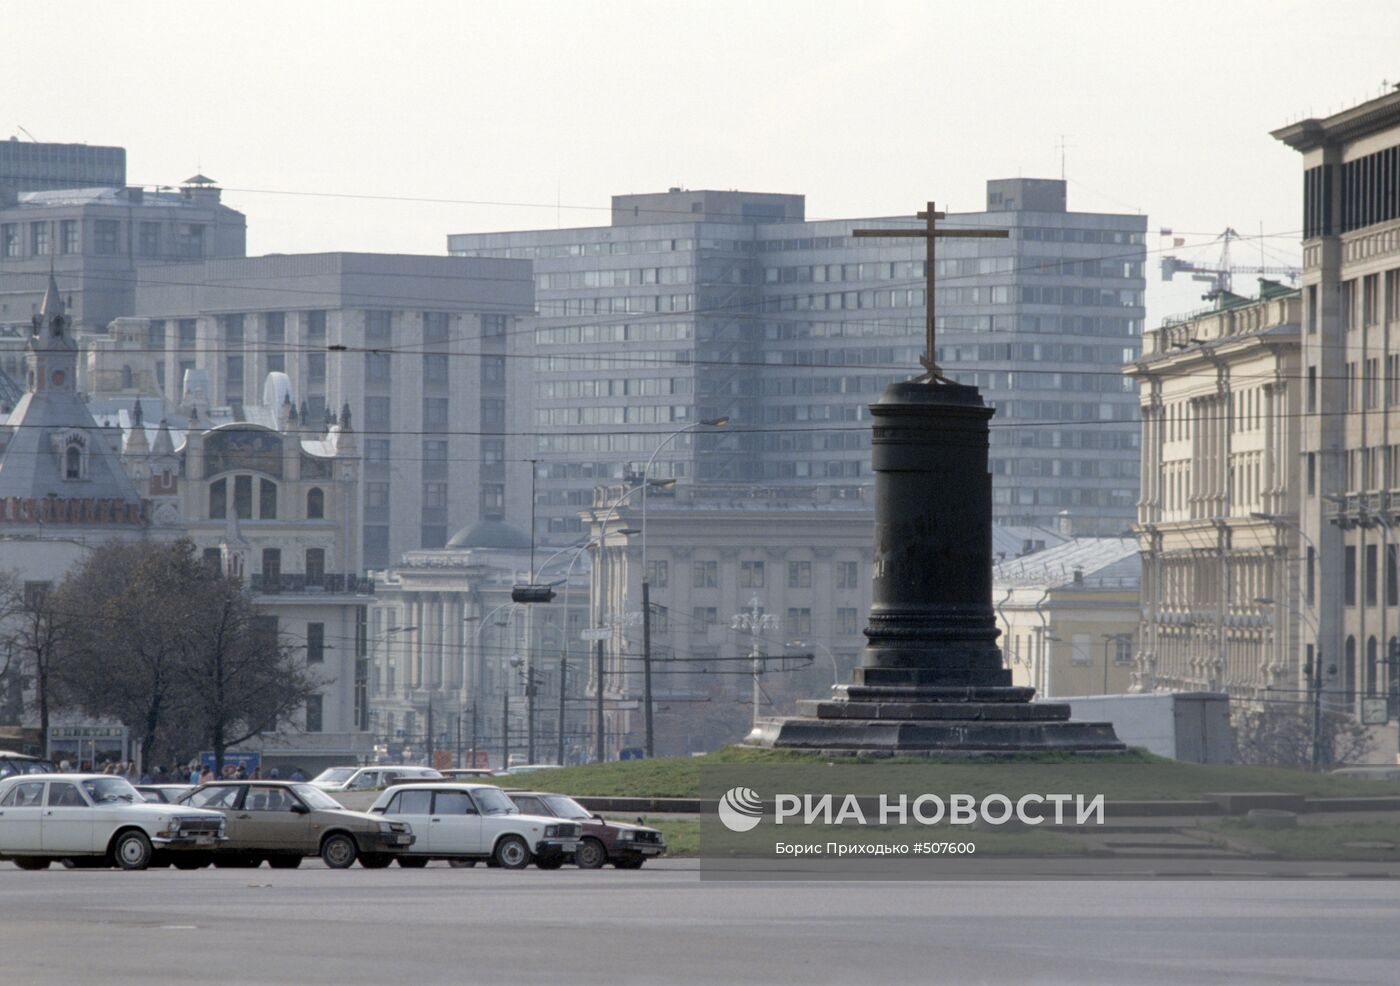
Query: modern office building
{"type": "Point", "coordinates": [31, 166]}
{"type": "Point", "coordinates": [1218, 515]}
{"type": "Point", "coordinates": [418, 348]}
{"type": "Point", "coordinates": [95, 240]}
{"type": "Point", "coordinates": [697, 305]}
{"type": "Point", "coordinates": [1349, 469]}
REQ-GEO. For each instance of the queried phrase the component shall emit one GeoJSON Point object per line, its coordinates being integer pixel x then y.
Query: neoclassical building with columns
{"type": "Point", "coordinates": [1218, 513]}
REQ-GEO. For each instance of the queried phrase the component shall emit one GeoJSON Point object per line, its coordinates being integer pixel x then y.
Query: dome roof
{"type": "Point", "coordinates": [490, 534]}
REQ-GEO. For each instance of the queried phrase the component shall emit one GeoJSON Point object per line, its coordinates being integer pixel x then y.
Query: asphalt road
{"type": "Point", "coordinates": [663, 925]}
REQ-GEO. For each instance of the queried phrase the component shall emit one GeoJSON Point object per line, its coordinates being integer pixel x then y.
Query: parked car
{"type": "Point", "coordinates": [530, 768]}
{"type": "Point", "coordinates": [284, 821]}
{"type": "Point", "coordinates": [623, 844]}
{"type": "Point", "coordinates": [163, 794]}
{"type": "Point", "coordinates": [22, 763]}
{"type": "Point", "coordinates": [97, 818]}
{"type": "Point", "coordinates": [369, 778]}
{"type": "Point", "coordinates": [467, 773]}
{"type": "Point", "coordinates": [467, 823]}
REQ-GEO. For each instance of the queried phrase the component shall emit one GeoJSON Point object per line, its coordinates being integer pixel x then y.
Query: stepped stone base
{"type": "Point", "coordinates": [933, 721]}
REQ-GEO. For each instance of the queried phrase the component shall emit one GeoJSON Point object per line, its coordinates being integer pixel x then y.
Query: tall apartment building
{"type": "Point", "coordinates": [30, 166]}
{"type": "Point", "coordinates": [694, 305]}
{"type": "Point", "coordinates": [419, 349]}
{"type": "Point", "coordinates": [1218, 516]}
{"type": "Point", "coordinates": [1350, 429]}
{"type": "Point", "coordinates": [95, 240]}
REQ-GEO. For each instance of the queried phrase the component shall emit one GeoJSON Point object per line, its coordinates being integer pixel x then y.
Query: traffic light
{"type": "Point", "coordinates": [531, 593]}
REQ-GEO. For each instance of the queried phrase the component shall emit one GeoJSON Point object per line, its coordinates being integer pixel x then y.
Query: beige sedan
{"type": "Point", "coordinates": [284, 821]}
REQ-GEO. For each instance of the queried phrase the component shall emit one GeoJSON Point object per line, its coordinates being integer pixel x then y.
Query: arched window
{"type": "Point", "coordinates": [218, 499]}
{"type": "Point", "coordinates": [1349, 673]}
{"type": "Point", "coordinates": [1371, 667]}
{"type": "Point", "coordinates": [315, 503]}
{"type": "Point", "coordinates": [73, 463]}
{"type": "Point", "coordinates": [267, 499]}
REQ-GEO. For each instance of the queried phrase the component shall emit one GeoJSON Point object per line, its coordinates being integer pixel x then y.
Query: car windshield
{"type": "Point", "coordinates": [315, 797]}
{"type": "Point", "coordinates": [492, 802]}
{"type": "Point", "coordinates": [566, 807]}
{"type": "Point", "coordinates": [108, 789]}
{"type": "Point", "coordinates": [334, 775]}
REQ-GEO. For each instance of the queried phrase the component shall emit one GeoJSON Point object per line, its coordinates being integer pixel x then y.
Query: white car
{"type": "Point", "coordinates": [94, 818]}
{"type": "Point", "coordinates": [465, 823]}
{"type": "Point", "coordinates": [369, 778]}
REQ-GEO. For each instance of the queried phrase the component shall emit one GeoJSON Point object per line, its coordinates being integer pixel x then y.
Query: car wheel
{"type": "Point", "coordinates": [511, 853]}
{"type": "Point", "coordinates": [189, 861]}
{"type": "Point", "coordinates": [284, 862]}
{"type": "Point", "coordinates": [630, 864]}
{"type": "Point", "coordinates": [32, 862]}
{"type": "Point", "coordinates": [461, 864]}
{"type": "Point", "coordinates": [132, 850]}
{"type": "Point", "coordinates": [375, 861]}
{"type": "Point", "coordinates": [549, 862]}
{"type": "Point", "coordinates": [338, 851]}
{"type": "Point", "coordinates": [413, 862]}
{"type": "Point", "coordinates": [590, 854]}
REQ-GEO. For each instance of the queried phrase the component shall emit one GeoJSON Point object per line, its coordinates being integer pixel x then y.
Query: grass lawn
{"type": "Point", "coordinates": [1134, 776]}
{"type": "Point", "coordinates": [1313, 841]}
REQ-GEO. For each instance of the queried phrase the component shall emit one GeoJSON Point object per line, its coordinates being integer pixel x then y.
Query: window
{"type": "Point", "coordinates": [315, 643]}
{"type": "Point", "coordinates": [68, 236]}
{"type": "Point", "coordinates": [267, 499]}
{"type": "Point", "coordinates": [660, 618]}
{"type": "Point", "coordinates": [493, 413]}
{"type": "Point", "coordinates": [28, 794]}
{"type": "Point", "coordinates": [434, 496]}
{"type": "Point", "coordinates": [1312, 389]}
{"type": "Point", "coordinates": [493, 326]}
{"type": "Point", "coordinates": [1349, 576]}
{"type": "Point", "coordinates": [377, 451]}
{"type": "Point", "coordinates": [316, 325]}
{"type": "Point", "coordinates": [1308, 586]}
{"type": "Point", "coordinates": [314, 722]}
{"type": "Point", "coordinates": [315, 503]}
{"type": "Point", "coordinates": [702, 617]}
{"type": "Point", "coordinates": [799, 575]}
{"type": "Point", "coordinates": [493, 369]}
{"type": "Point", "coordinates": [66, 796]}
{"type": "Point", "coordinates": [243, 497]}
{"type": "Point", "coordinates": [799, 620]}
{"type": "Point", "coordinates": [10, 242]}
{"type": "Point", "coordinates": [493, 499]}
{"type": "Point", "coordinates": [233, 376]}
{"type": "Point", "coordinates": [704, 574]}
{"type": "Point", "coordinates": [1370, 291]}
{"type": "Point", "coordinates": [847, 620]}
{"type": "Point", "coordinates": [213, 560]}
{"type": "Point", "coordinates": [73, 463]}
{"type": "Point", "coordinates": [316, 368]}
{"type": "Point", "coordinates": [1371, 573]}
{"type": "Point", "coordinates": [189, 239]}
{"type": "Point", "coordinates": [435, 326]}
{"type": "Point", "coordinates": [1311, 471]}
{"type": "Point", "coordinates": [218, 499]}
{"type": "Point", "coordinates": [751, 575]}
{"type": "Point", "coordinates": [435, 413]}
{"type": "Point", "coordinates": [434, 457]}
{"type": "Point", "coordinates": [272, 565]}
{"type": "Point", "coordinates": [1310, 314]}
{"type": "Point", "coordinates": [377, 413]}
{"type": "Point", "coordinates": [148, 239]}
{"type": "Point", "coordinates": [106, 236]}
{"type": "Point", "coordinates": [378, 325]}
{"type": "Point", "coordinates": [39, 238]}
{"type": "Point", "coordinates": [435, 369]}
{"type": "Point", "coordinates": [315, 566]}
{"type": "Point", "coordinates": [188, 329]}
{"type": "Point", "coordinates": [411, 802]}
{"type": "Point", "coordinates": [845, 575]}
{"type": "Point", "coordinates": [1123, 649]}
{"type": "Point", "coordinates": [659, 573]}
{"type": "Point", "coordinates": [453, 803]}
{"type": "Point", "coordinates": [1392, 571]}
{"type": "Point", "coordinates": [377, 368]}
{"type": "Point", "coordinates": [155, 335]}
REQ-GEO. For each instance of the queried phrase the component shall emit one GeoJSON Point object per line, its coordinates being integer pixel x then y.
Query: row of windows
{"type": "Point", "coordinates": [105, 238]}
{"type": "Point", "coordinates": [625, 277]}
{"type": "Point", "coordinates": [573, 335]}
{"type": "Point", "coordinates": [1095, 325]}
{"type": "Point", "coordinates": [266, 501]}
{"type": "Point", "coordinates": [612, 387]}
{"type": "Point", "coordinates": [1052, 497]}
{"type": "Point", "coordinates": [618, 304]}
{"type": "Point", "coordinates": [645, 414]}
{"type": "Point", "coordinates": [752, 574]}
{"type": "Point", "coordinates": [905, 270]}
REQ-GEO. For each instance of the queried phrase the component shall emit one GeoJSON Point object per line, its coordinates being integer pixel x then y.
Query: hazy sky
{"type": "Point", "coordinates": [868, 108]}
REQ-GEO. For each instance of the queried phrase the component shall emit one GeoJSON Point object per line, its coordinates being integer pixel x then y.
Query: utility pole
{"type": "Point", "coordinates": [600, 749]}
{"type": "Point", "coordinates": [646, 664]}
{"type": "Point", "coordinates": [429, 743]}
{"type": "Point", "coordinates": [563, 683]}
{"type": "Point", "coordinates": [474, 731]}
{"type": "Point", "coordinates": [505, 728]}
{"type": "Point", "coordinates": [457, 761]}
{"type": "Point", "coordinates": [529, 712]}
{"type": "Point", "coordinates": [1315, 674]}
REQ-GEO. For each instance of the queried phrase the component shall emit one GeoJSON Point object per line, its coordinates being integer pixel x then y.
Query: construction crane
{"type": "Point", "coordinates": [1219, 276]}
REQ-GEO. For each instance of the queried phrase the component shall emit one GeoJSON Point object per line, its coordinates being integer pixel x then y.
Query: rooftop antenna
{"type": "Point", "coordinates": [26, 133]}
{"type": "Point", "coordinates": [1062, 145]}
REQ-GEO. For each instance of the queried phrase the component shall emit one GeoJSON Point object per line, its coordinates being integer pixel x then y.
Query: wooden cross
{"type": "Point", "coordinates": [930, 234]}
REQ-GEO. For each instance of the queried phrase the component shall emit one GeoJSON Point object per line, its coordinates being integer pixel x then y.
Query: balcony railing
{"type": "Point", "coordinates": [299, 583]}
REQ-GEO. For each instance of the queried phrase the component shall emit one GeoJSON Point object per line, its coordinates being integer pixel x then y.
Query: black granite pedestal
{"type": "Point", "coordinates": [931, 679]}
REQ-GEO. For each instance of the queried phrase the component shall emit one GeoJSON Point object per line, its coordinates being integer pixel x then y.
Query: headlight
{"type": "Point", "coordinates": [386, 827]}
{"type": "Point", "coordinates": [173, 825]}
{"type": "Point", "coordinates": [551, 831]}
{"type": "Point", "coordinates": [626, 835]}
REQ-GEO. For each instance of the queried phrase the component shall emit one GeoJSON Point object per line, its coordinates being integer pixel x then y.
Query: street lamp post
{"type": "Point", "coordinates": [600, 750]}
{"type": "Point", "coordinates": [835, 672]}
{"type": "Point", "coordinates": [646, 582]}
{"type": "Point", "coordinates": [754, 622]}
{"type": "Point", "coordinates": [1116, 638]}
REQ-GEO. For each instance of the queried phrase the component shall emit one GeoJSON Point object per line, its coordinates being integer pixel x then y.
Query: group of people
{"type": "Point", "coordinates": [191, 773]}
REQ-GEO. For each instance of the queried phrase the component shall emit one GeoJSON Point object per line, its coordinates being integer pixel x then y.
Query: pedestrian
{"type": "Point", "coordinates": [206, 776]}
{"type": "Point", "coordinates": [64, 767]}
{"type": "Point", "coordinates": [274, 773]}
{"type": "Point", "coordinates": [256, 774]}
{"type": "Point", "coordinates": [297, 775]}
{"type": "Point", "coordinates": [195, 775]}
{"type": "Point", "coordinates": [240, 773]}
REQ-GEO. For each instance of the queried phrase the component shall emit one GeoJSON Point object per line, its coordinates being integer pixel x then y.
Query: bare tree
{"type": "Point", "coordinates": [33, 634]}
{"type": "Point", "coordinates": [1282, 736]}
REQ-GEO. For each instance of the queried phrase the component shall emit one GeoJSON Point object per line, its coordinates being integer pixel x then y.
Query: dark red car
{"type": "Point", "coordinates": [624, 845]}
